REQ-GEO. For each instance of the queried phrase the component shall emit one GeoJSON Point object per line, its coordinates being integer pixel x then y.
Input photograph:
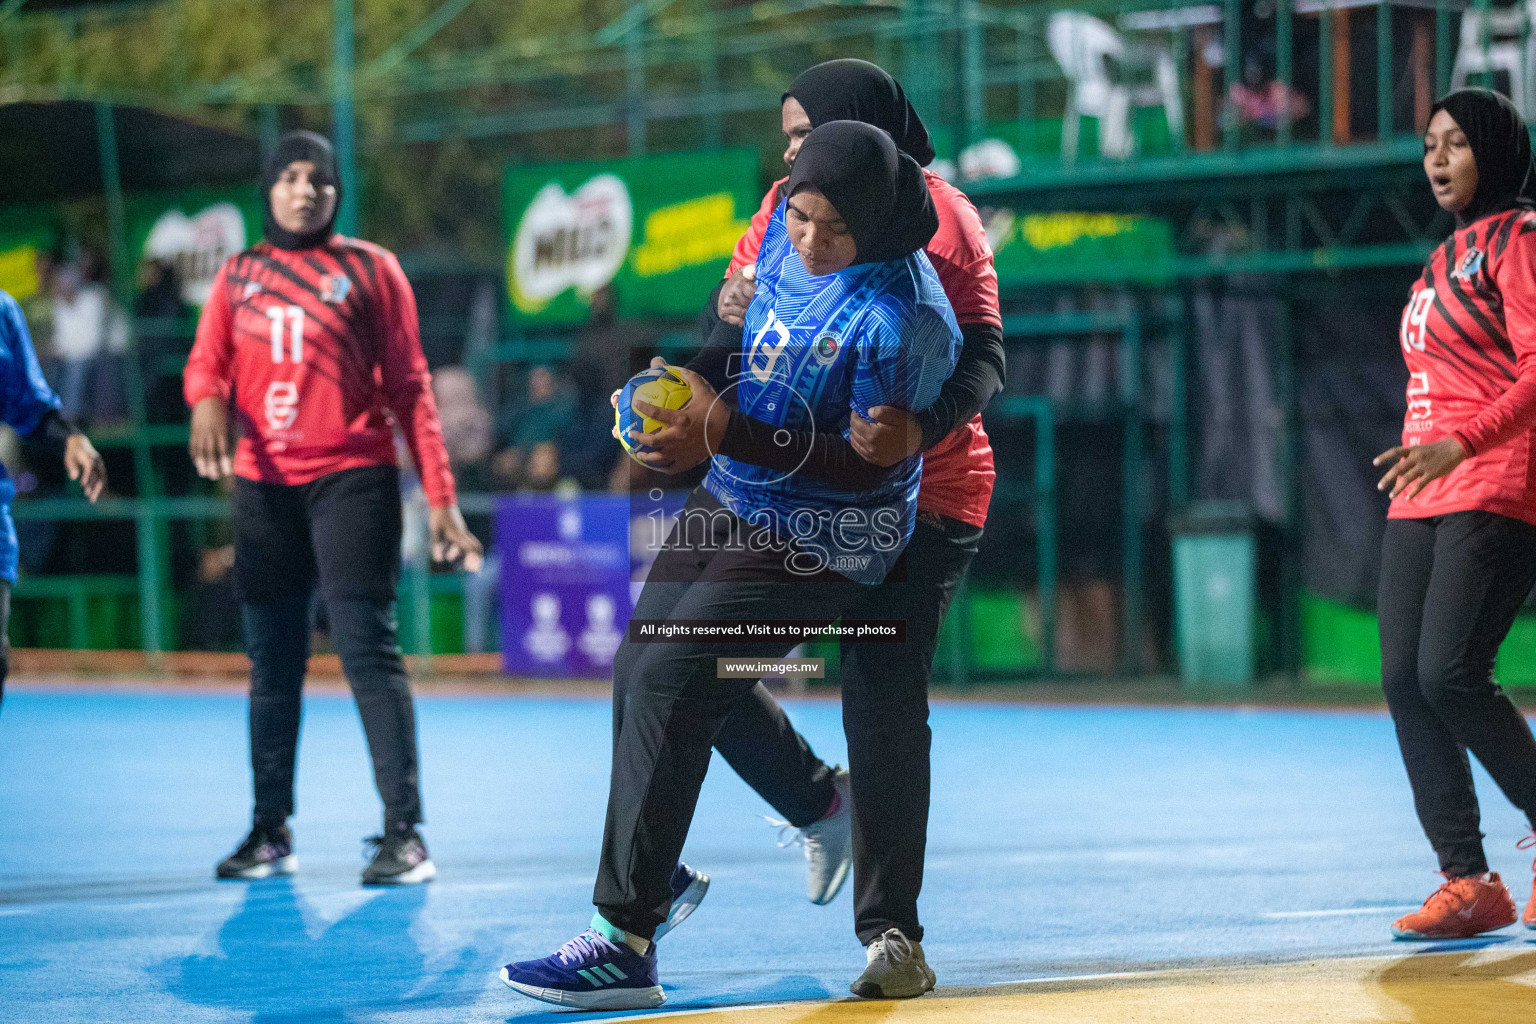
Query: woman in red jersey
{"type": "Point", "coordinates": [1459, 554]}
{"type": "Point", "coordinates": [874, 818]}
{"type": "Point", "coordinates": [312, 339]}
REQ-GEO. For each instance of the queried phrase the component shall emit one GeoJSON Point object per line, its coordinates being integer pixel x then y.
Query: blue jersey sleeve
{"type": "Point", "coordinates": [24, 393]}
{"type": "Point", "coordinates": [906, 354]}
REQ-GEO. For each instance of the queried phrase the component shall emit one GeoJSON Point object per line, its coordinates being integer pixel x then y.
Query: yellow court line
{"type": "Point", "coordinates": [1488, 986]}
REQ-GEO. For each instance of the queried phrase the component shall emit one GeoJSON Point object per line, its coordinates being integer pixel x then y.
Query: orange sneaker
{"type": "Point", "coordinates": [1459, 909]}
{"type": "Point", "coordinates": [1529, 917]}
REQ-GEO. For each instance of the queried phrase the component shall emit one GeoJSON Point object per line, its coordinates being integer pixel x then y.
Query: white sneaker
{"type": "Point", "coordinates": [896, 970]}
{"type": "Point", "coordinates": [828, 845]}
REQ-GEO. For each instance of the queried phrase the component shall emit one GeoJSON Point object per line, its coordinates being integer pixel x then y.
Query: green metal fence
{"type": "Point", "coordinates": [974, 69]}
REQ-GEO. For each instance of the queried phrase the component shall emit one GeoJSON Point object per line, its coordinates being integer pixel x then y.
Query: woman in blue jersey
{"type": "Point", "coordinates": [29, 406]}
{"type": "Point", "coordinates": [848, 314]}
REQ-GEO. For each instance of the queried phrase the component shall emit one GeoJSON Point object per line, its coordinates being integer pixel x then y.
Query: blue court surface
{"type": "Point", "coordinates": [1065, 841]}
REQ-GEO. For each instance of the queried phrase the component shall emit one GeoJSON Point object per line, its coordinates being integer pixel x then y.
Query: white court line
{"type": "Point", "coordinates": [1343, 912]}
{"type": "Point", "coordinates": [1082, 977]}
{"type": "Point", "coordinates": [660, 1014]}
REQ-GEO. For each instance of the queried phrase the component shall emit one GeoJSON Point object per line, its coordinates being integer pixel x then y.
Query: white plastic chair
{"type": "Point", "coordinates": [1505, 52]}
{"type": "Point", "coordinates": [1083, 46]}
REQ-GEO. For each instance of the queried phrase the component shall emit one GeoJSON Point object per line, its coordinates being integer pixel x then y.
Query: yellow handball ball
{"type": "Point", "coordinates": [668, 392]}
{"type": "Point", "coordinates": [661, 386]}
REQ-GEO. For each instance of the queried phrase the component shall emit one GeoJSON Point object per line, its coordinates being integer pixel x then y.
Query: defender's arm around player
{"type": "Point", "coordinates": [885, 686]}
{"type": "Point", "coordinates": [29, 406]}
{"type": "Point", "coordinates": [1458, 557]}
{"type": "Point", "coordinates": [311, 340]}
{"type": "Point", "coordinates": [840, 260]}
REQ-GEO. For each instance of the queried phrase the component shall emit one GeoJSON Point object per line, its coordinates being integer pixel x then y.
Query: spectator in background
{"type": "Point", "coordinates": [161, 317]}
{"type": "Point", "coordinates": [587, 443]}
{"type": "Point", "coordinates": [542, 472]}
{"type": "Point", "coordinates": [469, 438]}
{"type": "Point", "coordinates": [542, 415]}
{"type": "Point", "coordinates": [37, 307]}
{"type": "Point", "coordinates": [467, 426]}
{"type": "Point", "coordinates": [606, 355]}
{"type": "Point", "coordinates": [603, 349]}
{"type": "Point", "coordinates": [88, 332]}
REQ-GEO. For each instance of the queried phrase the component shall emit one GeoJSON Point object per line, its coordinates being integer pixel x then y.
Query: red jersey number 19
{"type": "Point", "coordinates": [294, 318]}
{"type": "Point", "coordinates": [1413, 319]}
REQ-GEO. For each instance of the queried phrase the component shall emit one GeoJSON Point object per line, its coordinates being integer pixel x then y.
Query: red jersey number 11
{"type": "Point", "coordinates": [294, 316]}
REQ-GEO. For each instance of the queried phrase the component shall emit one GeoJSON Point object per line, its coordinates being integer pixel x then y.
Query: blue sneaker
{"type": "Point", "coordinates": [688, 889]}
{"type": "Point", "coordinates": [591, 972]}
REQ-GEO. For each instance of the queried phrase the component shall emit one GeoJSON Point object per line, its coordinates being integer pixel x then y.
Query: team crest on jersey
{"type": "Point", "coordinates": [334, 287]}
{"type": "Point", "coordinates": [251, 288]}
{"type": "Point", "coordinates": [826, 348]}
{"type": "Point", "coordinates": [1470, 264]}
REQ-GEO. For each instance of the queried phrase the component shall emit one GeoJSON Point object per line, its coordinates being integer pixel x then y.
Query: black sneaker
{"type": "Point", "coordinates": [267, 851]}
{"type": "Point", "coordinates": [401, 858]}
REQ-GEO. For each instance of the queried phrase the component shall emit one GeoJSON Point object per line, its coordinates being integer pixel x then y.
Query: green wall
{"type": "Point", "coordinates": [1339, 646]}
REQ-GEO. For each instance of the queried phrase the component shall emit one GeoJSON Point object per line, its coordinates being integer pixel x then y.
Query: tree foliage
{"type": "Point", "coordinates": [425, 183]}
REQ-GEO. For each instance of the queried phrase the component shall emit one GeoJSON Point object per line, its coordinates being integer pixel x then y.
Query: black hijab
{"type": "Point", "coordinates": [299, 146]}
{"type": "Point", "coordinates": [879, 191]}
{"type": "Point", "coordinates": [856, 90]}
{"type": "Point", "coordinates": [1501, 146]}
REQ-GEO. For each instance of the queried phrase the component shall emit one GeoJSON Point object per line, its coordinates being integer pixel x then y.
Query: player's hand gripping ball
{"type": "Point", "coordinates": [662, 387]}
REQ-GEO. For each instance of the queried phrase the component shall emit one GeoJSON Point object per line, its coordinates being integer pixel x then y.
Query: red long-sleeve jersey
{"type": "Point", "coordinates": [318, 349]}
{"type": "Point", "coordinates": [958, 471]}
{"type": "Point", "coordinates": [1469, 338]}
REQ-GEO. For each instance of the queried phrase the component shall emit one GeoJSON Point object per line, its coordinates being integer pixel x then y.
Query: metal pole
{"type": "Point", "coordinates": [918, 60]}
{"type": "Point", "coordinates": [1442, 47]}
{"type": "Point", "coordinates": [1130, 397]}
{"type": "Point", "coordinates": [1383, 72]}
{"type": "Point", "coordinates": [1290, 593]}
{"type": "Point", "coordinates": [1232, 71]}
{"type": "Point", "coordinates": [1181, 75]}
{"type": "Point", "coordinates": [634, 80]}
{"type": "Point", "coordinates": [974, 95]}
{"type": "Point", "coordinates": [1022, 57]}
{"type": "Point", "coordinates": [268, 129]}
{"type": "Point", "coordinates": [345, 122]}
{"type": "Point", "coordinates": [709, 74]}
{"type": "Point", "coordinates": [1325, 77]}
{"type": "Point", "coordinates": [1284, 50]}
{"type": "Point", "coordinates": [1484, 9]}
{"type": "Point", "coordinates": [1045, 530]}
{"type": "Point", "coordinates": [146, 524]}
{"type": "Point", "coordinates": [1178, 417]}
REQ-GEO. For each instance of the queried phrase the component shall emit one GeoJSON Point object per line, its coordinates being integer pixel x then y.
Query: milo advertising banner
{"type": "Point", "coordinates": [1034, 247]}
{"type": "Point", "coordinates": [659, 229]}
{"type": "Point", "coordinates": [195, 230]}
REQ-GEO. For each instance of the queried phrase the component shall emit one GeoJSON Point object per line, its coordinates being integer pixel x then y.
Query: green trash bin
{"type": "Point", "coordinates": [1215, 580]}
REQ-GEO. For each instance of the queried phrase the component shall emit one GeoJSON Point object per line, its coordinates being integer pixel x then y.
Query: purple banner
{"type": "Point", "coordinates": [566, 571]}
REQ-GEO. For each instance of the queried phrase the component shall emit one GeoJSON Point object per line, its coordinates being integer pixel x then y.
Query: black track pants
{"type": "Point", "coordinates": [756, 738]}
{"type": "Point", "coordinates": [341, 532]}
{"type": "Point", "coordinates": [885, 718]}
{"type": "Point", "coordinates": [669, 705]}
{"type": "Point", "coordinates": [1450, 588]}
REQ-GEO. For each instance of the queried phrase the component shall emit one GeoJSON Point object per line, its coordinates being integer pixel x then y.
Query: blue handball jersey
{"type": "Point", "coordinates": [814, 351]}
{"type": "Point", "coordinates": [24, 397]}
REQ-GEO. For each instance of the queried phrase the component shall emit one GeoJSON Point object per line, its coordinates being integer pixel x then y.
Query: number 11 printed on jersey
{"type": "Point", "coordinates": [294, 315]}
